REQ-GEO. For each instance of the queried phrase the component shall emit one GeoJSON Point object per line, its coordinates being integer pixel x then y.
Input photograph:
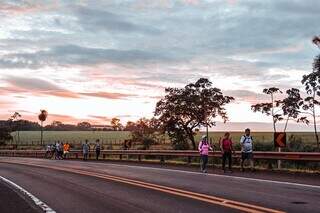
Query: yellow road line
{"type": "Point", "coordinates": [170, 190]}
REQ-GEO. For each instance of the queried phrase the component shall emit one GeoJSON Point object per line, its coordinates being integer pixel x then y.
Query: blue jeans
{"type": "Point", "coordinates": [204, 159]}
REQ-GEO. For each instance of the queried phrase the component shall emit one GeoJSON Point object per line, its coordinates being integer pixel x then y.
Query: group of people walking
{"type": "Point", "coordinates": [61, 150]}
{"type": "Point", "coordinates": [226, 147]}
{"type": "Point", "coordinates": [57, 150]}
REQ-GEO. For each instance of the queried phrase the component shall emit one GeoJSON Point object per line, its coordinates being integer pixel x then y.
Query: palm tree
{"type": "Point", "coordinates": [42, 117]}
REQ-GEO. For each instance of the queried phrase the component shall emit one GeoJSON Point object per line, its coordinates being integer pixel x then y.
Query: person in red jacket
{"type": "Point", "coordinates": [227, 150]}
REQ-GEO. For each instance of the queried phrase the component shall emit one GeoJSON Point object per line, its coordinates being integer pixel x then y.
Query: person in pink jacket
{"type": "Point", "coordinates": [204, 148]}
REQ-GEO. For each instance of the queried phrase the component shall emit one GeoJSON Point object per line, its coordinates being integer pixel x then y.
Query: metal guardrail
{"type": "Point", "coordinates": [77, 154]}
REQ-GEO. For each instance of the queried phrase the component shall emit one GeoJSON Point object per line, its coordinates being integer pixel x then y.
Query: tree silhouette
{"type": "Point", "coordinates": [42, 117]}
{"type": "Point", "coordinates": [291, 106]}
{"type": "Point", "coordinates": [312, 87]}
{"type": "Point", "coordinates": [15, 120]}
{"type": "Point", "coordinates": [116, 125]}
{"type": "Point", "coordinates": [316, 41]}
{"type": "Point", "coordinates": [84, 125]}
{"type": "Point", "coordinates": [184, 109]}
{"type": "Point", "coordinates": [270, 108]}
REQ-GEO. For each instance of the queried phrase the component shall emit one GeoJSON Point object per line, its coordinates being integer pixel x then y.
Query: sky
{"type": "Point", "coordinates": [91, 60]}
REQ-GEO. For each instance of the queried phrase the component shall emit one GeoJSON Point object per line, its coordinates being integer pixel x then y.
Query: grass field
{"type": "Point", "coordinates": [116, 137]}
{"type": "Point", "coordinates": [71, 136]}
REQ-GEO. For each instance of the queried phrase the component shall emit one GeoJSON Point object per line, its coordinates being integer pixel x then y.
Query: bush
{"type": "Point", "coordinates": [5, 135]}
{"type": "Point", "coordinates": [179, 144]}
{"type": "Point", "coordinates": [147, 142]}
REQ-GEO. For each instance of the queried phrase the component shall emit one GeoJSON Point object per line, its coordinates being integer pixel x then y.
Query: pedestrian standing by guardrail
{"type": "Point", "coordinates": [246, 142]}
{"type": "Point", "coordinates": [58, 149]}
{"type": "Point", "coordinates": [48, 151]}
{"type": "Point", "coordinates": [66, 150]}
{"type": "Point", "coordinates": [227, 150]}
{"type": "Point", "coordinates": [85, 150]}
{"type": "Point", "coordinates": [97, 147]}
{"type": "Point", "coordinates": [204, 148]}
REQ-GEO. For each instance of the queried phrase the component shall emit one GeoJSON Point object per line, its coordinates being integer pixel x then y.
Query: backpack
{"type": "Point", "coordinates": [249, 147]}
{"type": "Point", "coordinates": [247, 138]}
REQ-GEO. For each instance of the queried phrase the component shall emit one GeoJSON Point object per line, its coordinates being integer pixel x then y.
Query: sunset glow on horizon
{"type": "Point", "coordinates": [95, 60]}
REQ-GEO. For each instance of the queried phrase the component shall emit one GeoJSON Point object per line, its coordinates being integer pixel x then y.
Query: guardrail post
{"type": "Point", "coordinates": [279, 161]}
{"type": "Point", "coordinates": [162, 160]}
{"type": "Point", "coordinates": [139, 157]}
{"type": "Point", "coordinates": [104, 156]}
{"type": "Point", "coordinates": [120, 156]}
{"type": "Point", "coordinates": [189, 159]}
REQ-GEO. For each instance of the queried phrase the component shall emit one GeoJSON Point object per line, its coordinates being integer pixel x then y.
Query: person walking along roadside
{"type": "Point", "coordinates": [227, 150]}
{"type": "Point", "coordinates": [66, 150]}
{"type": "Point", "coordinates": [85, 150]}
{"type": "Point", "coordinates": [204, 148]}
{"type": "Point", "coordinates": [97, 147]}
{"type": "Point", "coordinates": [246, 143]}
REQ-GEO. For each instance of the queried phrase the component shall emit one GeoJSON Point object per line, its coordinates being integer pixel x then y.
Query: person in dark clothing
{"type": "Point", "coordinates": [97, 147]}
{"type": "Point", "coordinates": [227, 150]}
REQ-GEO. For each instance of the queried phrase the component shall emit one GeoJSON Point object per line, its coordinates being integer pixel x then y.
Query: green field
{"type": "Point", "coordinates": [116, 137]}
{"type": "Point", "coordinates": [33, 137]}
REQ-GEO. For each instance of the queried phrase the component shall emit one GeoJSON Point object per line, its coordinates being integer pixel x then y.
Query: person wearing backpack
{"type": "Point", "coordinates": [227, 150]}
{"type": "Point", "coordinates": [204, 148]}
{"type": "Point", "coordinates": [246, 143]}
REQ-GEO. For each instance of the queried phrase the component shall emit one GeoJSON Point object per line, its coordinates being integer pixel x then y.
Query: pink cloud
{"type": "Point", "coordinates": [108, 95]}
{"type": "Point", "coordinates": [26, 7]}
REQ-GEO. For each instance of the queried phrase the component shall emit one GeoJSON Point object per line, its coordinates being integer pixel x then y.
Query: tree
{"type": "Point", "coordinates": [42, 117]}
{"type": "Point", "coordinates": [5, 134]}
{"type": "Point", "coordinates": [144, 131]}
{"type": "Point", "coordinates": [270, 108]}
{"type": "Point", "coordinates": [316, 41]}
{"type": "Point", "coordinates": [194, 106]}
{"type": "Point", "coordinates": [14, 119]}
{"type": "Point", "coordinates": [84, 126]}
{"type": "Point", "coordinates": [116, 125]}
{"type": "Point", "coordinates": [312, 87]}
{"type": "Point", "coordinates": [282, 110]}
{"type": "Point", "coordinates": [291, 106]}
{"type": "Point", "coordinates": [130, 126]}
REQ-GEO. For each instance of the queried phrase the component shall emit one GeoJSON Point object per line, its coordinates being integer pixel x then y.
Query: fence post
{"type": "Point", "coordinates": [279, 161]}
{"type": "Point", "coordinates": [162, 160]}
{"type": "Point", "coordinates": [189, 160]}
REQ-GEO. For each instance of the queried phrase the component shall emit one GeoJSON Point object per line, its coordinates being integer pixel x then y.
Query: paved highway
{"type": "Point", "coordinates": [75, 186]}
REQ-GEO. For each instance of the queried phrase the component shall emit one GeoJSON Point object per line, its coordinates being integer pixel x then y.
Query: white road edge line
{"type": "Point", "coordinates": [224, 176]}
{"type": "Point", "coordinates": [36, 200]}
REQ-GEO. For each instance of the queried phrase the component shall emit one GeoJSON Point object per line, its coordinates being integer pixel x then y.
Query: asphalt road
{"type": "Point", "coordinates": [12, 201]}
{"type": "Point", "coordinates": [66, 191]}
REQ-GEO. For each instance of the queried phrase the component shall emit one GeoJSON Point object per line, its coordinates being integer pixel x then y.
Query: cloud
{"type": "Point", "coordinates": [36, 86]}
{"type": "Point", "coordinates": [100, 118]}
{"type": "Point", "coordinates": [11, 7]}
{"type": "Point", "coordinates": [247, 96]}
{"type": "Point", "coordinates": [145, 46]}
{"type": "Point", "coordinates": [77, 55]}
{"type": "Point", "coordinates": [103, 20]}
{"type": "Point", "coordinates": [108, 95]}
